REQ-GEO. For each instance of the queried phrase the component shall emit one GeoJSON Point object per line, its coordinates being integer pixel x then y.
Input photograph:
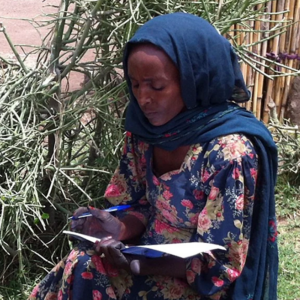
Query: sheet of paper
{"type": "Point", "coordinates": [82, 236]}
{"type": "Point", "coordinates": [182, 250]}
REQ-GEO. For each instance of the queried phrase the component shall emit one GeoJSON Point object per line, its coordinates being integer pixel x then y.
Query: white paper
{"type": "Point", "coordinates": [84, 236]}
{"type": "Point", "coordinates": [182, 250]}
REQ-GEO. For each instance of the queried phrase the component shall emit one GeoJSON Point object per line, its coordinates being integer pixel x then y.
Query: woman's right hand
{"type": "Point", "coordinates": [100, 224]}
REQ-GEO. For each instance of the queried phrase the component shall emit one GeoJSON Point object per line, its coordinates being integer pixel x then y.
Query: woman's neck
{"type": "Point", "coordinates": [165, 161]}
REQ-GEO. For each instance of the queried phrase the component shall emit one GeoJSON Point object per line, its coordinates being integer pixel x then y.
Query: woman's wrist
{"type": "Point", "coordinates": [131, 227]}
{"type": "Point", "coordinates": [166, 266]}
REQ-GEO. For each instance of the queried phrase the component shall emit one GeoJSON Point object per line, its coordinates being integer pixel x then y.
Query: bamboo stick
{"type": "Point", "coordinates": [285, 94]}
{"type": "Point", "coordinates": [265, 26]}
{"type": "Point", "coordinates": [256, 49]}
{"type": "Point", "coordinates": [293, 16]}
{"type": "Point", "coordinates": [243, 64]}
{"type": "Point", "coordinates": [298, 39]}
{"type": "Point", "coordinates": [276, 5]}
{"type": "Point", "coordinates": [250, 71]}
{"type": "Point", "coordinates": [283, 48]}
{"type": "Point", "coordinates": [278, 92]}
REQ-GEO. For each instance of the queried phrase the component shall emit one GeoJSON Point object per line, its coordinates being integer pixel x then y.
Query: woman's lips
{"type": "Point", "coordinates": [149, 114]}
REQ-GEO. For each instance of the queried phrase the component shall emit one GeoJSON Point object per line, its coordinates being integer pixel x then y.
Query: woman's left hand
{"type": "Point", "coordinates": [112, 253]}
{"type": "Point", "coordinates": [140, 265]}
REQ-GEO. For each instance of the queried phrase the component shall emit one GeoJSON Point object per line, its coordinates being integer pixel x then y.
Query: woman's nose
{"type": "Point", "coordinates": [143, 96]}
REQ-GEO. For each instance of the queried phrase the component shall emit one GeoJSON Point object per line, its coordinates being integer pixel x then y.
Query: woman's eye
{"type": "Point", "coordinates": [158, 88]}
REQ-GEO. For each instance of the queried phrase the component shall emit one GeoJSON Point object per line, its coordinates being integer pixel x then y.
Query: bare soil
{"type": "Point", "coordinates": [12, 16]}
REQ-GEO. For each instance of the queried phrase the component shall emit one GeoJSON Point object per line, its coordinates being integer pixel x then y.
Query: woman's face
{"type": "Point", "coordinates": [155, 83]}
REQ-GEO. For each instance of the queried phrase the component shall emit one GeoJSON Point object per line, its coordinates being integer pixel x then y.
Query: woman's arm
{"type": "Point", "coordinates": [167, 266]}
{"type": "Point", "coordinates": [131, 228]}
{"type": "Point", "coordinates": [229, 178]}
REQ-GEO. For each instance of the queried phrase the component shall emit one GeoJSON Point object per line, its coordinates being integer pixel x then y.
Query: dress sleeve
{"type": "Point", "coordinates": [128, 184]}
{"type": "Point", "coordinates": [228, 178]}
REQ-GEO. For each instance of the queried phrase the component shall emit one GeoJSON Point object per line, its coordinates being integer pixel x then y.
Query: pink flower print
{"type": "Point", "coordinates": [205, 176]}
{"type": "Point", "coordinates": [172, 290]}
{"type": "Point", "coordinates": [60, 295]}
{"type": "Point", "coordinates": [199, 195]}
{"type": "Point", "coordinates": [141, 145]}
{"type": "Point", "coordinates": [253, 173]}
{"type": "Point", "coordinates": [196, 265]}
{"type": "Point", "coordinates": [194, 219]}
{"type": "Point", "coordinates": [233, 148]}
{"type": "Point", "coordinates": [211, 264]}
{"type": "Point", "coordinates": [187, 203]}
{"type": "Point", "coordinates": [35, 291]}
{"type": "Point", "coordinates": [73, 255]}
{"type": "Point", "coordinates": [213, 193]}
{"type": "Point", "coordinates": [97, 261]}
{"type": "Point", "coordinates": [176, 241]}
{"type": "Point", "coordinates": [160, 227]}
{"type": "Point", "coordinates": [143, 160]}
{"type": "Point", "coordinates": [128, 133]}
{"type": "Point", "coordinates": [167, 195]}
{"type": "Point", "coordinates": [236, 173]}
{"type": "Point", "coordinates": [217, 281]}
{"type": "Point", "coordinates": [239, 202]}
{"type": "Point", "coordinates": [204, 223]}
{"type": "Point", "coordinates": [163, 205]}
{"type": "Point", "coordinates": [68, 268]}
{"type": "Point", "coordinates": [170, 216]}
{"type": "Point", "coordinates": [111, 271]}
{"type": "Point", "coordinates": [204, 211]}
{"type": "Point", "coordinates": [51, 296]}
{"type": "Point", "coordinates": [233, 274]}
{"type": "Point", "coordinates": [112, 191]}
{"type": "Point", "coordinates": [190, 276]}
{"type": "Point", "coordinates": [143, 202]}
{"type": "Point", "coordinates": [238, 252]}
{"type": "Point", "coordinates": [155, 181]}
{"type": "Point", "coordinates": [97, 295]}
{"type": "Point", "coordinates": [70, 279]}
{"type": "Point", "coordinates": [219, 214]}
{"type": "Point", "coordinates": [87, 275]}
{"type": "Point", "coordinates": [110, 292]}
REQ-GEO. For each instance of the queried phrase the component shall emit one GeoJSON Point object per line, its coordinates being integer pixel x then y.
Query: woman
{"type": "Point", "coordinates": [195, 167]}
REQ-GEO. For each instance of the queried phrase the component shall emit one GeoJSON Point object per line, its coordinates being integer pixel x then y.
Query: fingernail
{"type": "Point", "coordinates": [106, 238]}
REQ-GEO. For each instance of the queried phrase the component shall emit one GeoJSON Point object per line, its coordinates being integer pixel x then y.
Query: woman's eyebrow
{"type": "Point", "coordinates": [159, 77]}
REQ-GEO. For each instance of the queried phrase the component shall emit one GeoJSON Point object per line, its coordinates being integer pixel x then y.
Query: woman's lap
{"type": "Point", "coordinates": [85, 275]}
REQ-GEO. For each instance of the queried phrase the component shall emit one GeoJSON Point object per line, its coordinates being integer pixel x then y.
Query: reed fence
{"type": "Point", "coordinates": [280, 20]}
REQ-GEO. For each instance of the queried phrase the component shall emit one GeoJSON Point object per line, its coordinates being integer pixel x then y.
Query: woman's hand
{"type": "Point", "coordinates": [112, 253]}
{"type": "Point", "coordinates": [138, 264]}
{"type": "Point", "coordinates": [100, 224]}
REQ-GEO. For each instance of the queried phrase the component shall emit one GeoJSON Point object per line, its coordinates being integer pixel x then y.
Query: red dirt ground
{"type": "Point", "coordinates": [22, 32]}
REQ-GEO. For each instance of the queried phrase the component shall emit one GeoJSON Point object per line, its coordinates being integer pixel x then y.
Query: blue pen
{"type": "Point", "coordinates": [110, 209]}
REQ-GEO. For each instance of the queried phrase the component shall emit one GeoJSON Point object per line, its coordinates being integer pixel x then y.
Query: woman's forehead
{"type": "Point", "coordinates": [147, 48]}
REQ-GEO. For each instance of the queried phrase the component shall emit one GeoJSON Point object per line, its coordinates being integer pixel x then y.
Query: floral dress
{"type": "Point", "coordinates": [210, 199]}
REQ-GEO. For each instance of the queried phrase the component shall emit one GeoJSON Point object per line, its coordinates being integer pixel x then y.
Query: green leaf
{"type": "Point", "coordinates": [45, 216]}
